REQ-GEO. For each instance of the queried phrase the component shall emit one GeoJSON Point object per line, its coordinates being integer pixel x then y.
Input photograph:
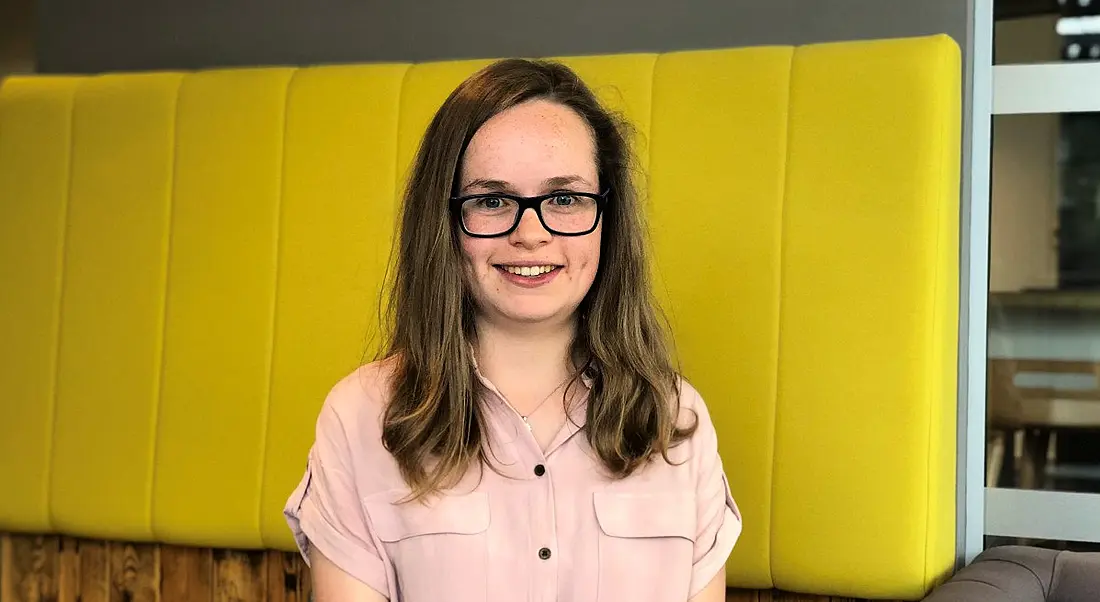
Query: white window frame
{"type": "Point", "coordinates": [974, 285]}
{"type": "Point", "coordinates": [1013, 90]}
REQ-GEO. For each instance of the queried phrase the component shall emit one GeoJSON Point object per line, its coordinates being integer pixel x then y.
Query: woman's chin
{"type": "Point", "coordinates": [535, 316]}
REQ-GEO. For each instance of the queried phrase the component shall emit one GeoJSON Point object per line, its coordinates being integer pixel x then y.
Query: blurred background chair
{"type": "Point", "coordinates": [1032, 402]}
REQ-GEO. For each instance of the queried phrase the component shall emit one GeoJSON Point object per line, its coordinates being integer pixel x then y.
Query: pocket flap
{"type": "Point", "coordinates": [394, 520]}
{"type": "Point", "coordinates": [644, 514]}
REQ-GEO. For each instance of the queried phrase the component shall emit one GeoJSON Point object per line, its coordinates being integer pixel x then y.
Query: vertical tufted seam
{"type": "Point", "coordinates": [779, 313]}
{"type": "Point", "coordinates": [265, 419]}
{"type": "Point", "coordinates": [58, 335]}
{"type": "Point", "coordinates": [169, 232]}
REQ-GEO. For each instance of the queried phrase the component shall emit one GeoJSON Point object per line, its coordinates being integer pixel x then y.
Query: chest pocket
{"type": "Point", "coordinates": [646, 545]}
{"type": "Point", "coordinates": [437, 550]}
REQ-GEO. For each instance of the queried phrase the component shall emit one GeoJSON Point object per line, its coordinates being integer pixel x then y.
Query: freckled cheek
{"type": "Point", "coordinates": [472, 256]}
{"type": "Point", "coordinates": [480, 274]}
{"type": "Point", "coordinates": [585, 261]}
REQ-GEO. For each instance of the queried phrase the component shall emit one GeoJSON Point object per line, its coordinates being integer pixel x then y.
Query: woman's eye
{"type": "Point", "coordinates": [491, 203]}
{"type": "Point", "coordinates": [563, 200]}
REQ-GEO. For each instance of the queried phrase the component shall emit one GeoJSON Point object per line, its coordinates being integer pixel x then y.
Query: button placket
{"type": "Point", "coordinates": [544, 531]}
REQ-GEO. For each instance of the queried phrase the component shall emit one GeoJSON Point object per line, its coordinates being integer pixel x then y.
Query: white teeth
{"type": "Point", "coordinates": [529, 271]}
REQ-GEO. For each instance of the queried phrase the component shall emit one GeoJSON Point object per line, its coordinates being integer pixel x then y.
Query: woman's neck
{"type": "Point", "coordinates": [525, 360]}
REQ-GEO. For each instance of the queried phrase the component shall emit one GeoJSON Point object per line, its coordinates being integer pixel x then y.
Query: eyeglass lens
{"type": "Point", "coordinates": [564, 213]}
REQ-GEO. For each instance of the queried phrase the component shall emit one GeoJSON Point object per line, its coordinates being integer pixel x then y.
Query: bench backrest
{"type": "Point", "coordinates": [188, 261]}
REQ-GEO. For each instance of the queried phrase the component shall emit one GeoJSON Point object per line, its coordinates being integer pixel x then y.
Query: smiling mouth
{"type": "Point", "coordinates": [529, 271]}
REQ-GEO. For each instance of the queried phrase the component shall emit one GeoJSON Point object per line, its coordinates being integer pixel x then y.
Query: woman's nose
{"type": "Point", "coordinates": [530, 230]}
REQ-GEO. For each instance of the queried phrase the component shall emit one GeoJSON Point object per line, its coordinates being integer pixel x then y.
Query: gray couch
{"type": "Point", "coordinates": [1024, 574]}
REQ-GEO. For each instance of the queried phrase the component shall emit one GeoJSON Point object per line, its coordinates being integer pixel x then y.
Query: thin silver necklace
{"type": "Point", "coordinates": [539, 404]}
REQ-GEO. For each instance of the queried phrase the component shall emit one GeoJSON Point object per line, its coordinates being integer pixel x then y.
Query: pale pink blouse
{"type": "Point", "coordinates": [543, 527]}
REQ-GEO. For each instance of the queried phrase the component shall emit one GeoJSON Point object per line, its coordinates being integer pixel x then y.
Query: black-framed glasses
{"type": "Point", "coordinates": [563, 213]}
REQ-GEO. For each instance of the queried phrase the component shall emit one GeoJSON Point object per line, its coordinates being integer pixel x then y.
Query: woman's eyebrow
{"type": "Point", "coordinates": [501, 186]}
{"type": "Point", "coordinates": [488, 184]}
{"type": "Point", "coordinates": [562, 181]}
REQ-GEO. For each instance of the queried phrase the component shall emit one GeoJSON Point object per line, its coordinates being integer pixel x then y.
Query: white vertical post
{"type": "Point", "coordinates": [974, 286]}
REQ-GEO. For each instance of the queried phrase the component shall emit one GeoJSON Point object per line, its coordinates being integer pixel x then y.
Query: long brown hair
{"type": "Point", "coordinates": [433, 425]}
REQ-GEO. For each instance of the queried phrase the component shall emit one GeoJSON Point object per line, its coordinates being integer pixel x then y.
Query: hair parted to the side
{"type": "Point", "coordinates": [433, 424]}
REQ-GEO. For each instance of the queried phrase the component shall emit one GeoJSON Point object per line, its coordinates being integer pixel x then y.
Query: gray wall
{"type": "Point", "coordinates": [16, 36]}
{"type": "Point", "coordinates": [107, 35]}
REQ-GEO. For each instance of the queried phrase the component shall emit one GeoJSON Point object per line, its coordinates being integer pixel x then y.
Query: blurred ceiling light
{"type": "Point", "coordinates": [1078, 26]}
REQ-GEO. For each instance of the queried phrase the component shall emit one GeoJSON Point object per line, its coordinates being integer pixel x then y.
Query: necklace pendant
{"type": "Point", "coordinates": [527, 422]}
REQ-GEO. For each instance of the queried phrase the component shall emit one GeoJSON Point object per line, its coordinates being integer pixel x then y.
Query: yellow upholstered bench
{"type": "Point", "coordinates": [189, 261]}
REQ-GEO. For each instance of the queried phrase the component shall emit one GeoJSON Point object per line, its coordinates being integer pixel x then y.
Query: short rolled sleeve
{"type": "Point", "coordinates": [718, 518]}
{"type": "Point", "coordinates": [325, 510]}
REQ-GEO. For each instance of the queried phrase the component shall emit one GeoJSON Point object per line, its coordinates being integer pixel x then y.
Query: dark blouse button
{"type": "Point", "coordinates": [544, 553]}
{"type": "Point", "coordinates": [539, 470]}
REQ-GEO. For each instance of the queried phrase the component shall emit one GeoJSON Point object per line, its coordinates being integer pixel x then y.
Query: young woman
{"type": "Point", "coordinates": [525, 436]}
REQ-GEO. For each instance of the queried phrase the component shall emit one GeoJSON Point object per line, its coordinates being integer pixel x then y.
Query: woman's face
{"type": "Point", "coordinates": [534, 148]}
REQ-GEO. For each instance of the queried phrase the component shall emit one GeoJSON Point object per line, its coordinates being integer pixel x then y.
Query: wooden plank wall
{"type": "Point", "coordinates": [48, 568]}
{"type": "Point", "coordinates": [35, 568]}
